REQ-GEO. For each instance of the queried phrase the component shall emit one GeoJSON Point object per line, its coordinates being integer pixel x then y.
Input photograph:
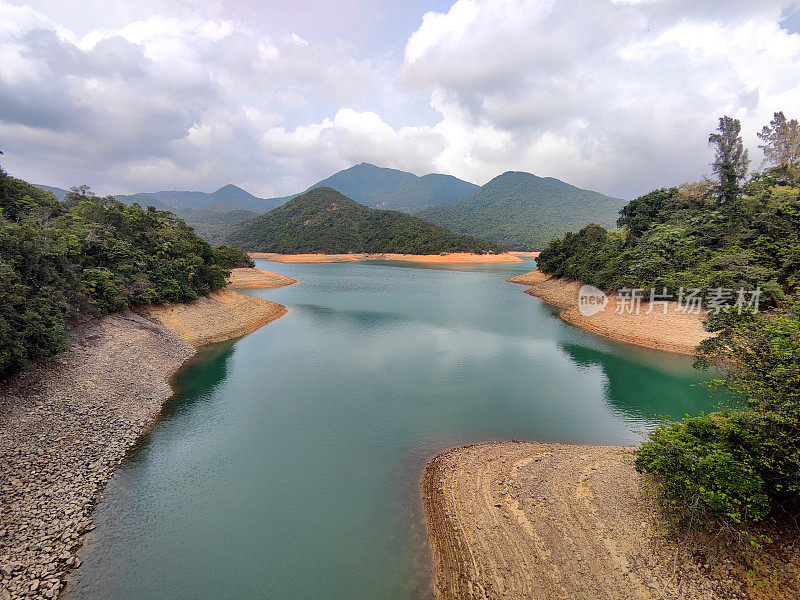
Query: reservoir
{"type": "Point", "coordinates": [287, 464]}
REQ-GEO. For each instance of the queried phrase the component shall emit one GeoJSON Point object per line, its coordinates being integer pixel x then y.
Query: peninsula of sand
{"type": "Point", "coordinates": [532, 521]}
{"type": "Point", "coordinates": [444, 258]}
{"type": "Point", "coordinates": [67, 423]}
{"type": "Point", "coordinates": [542, 521]}
{"type": "Point", "coordinates": [662, 327]}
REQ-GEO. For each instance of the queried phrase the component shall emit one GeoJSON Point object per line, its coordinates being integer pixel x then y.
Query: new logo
{"type": "Point", "coordinates": [591, 300]}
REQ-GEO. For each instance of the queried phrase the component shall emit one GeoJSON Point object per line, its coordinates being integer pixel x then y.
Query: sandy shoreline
{"type": "Point", "coordinates": [249, 279]}
{"type": "Point", "coordinates": [67, 423]}
{"type": "Point", "coordinates": [531, 521]}
{"type": "Point", "coordinates": [671, 332]}
{"type": "Point", "coordinates": [455, 257]}
{"type": "Point", "coordinates": [225, 314]}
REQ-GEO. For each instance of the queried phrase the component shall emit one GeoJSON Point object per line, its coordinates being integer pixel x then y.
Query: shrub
{"type": "Point", "coordinates": [703, 464]}
{"type": "Point", "coordinates": [232, 258]}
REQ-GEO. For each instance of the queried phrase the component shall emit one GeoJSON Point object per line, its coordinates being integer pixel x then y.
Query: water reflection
{"type": "Point", "coordinates": [661, 386]}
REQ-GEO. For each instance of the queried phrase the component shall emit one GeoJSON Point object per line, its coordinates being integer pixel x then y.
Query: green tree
{"type": "Point", "coordinates": [731, 160]}
{"type": "Point", "coordinates": [641, 214]}
{"type": "Point", "coordinates": [781, 143]}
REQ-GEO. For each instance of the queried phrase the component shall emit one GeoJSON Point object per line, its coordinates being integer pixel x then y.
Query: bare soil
{"type": "Point", "coordinates": [670, 331]}
{"type": "Point", "coordinates": [220, 316]}
{"type": "Point", "coordinates": [244, 279]}
{"type": "Point", "coordinates": [514, 520]}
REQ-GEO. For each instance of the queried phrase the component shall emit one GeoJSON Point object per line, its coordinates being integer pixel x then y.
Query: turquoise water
{"type": "Point", "coordinates": [287, 464]}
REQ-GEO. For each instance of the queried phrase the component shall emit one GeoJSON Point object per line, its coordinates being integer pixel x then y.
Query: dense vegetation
{"type": "Point", "coordinates": [89, 256]}
{"type": "Point", "coordinates": [211, 215]}
{"type": "Point", "coordinates": [229, 257]}
{"type": "Point", "coordinates": [739, 465]}
{"type": "Point", "coordinates": [213, 224]}
{"type": "Point", "coordinates": [685, 237]}
{"type": "Point", "coordinates": [323, 220]}
{"type": "Point", "coordinates": [521, 211]}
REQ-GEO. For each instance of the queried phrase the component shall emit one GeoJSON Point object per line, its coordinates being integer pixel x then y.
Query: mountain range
{"type": "Point", "coordinates": [515, 210]}
{"type": "Point", "coordinates": [520, 211]}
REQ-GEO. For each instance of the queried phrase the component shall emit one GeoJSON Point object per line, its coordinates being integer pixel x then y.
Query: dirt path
{"type": "Point", "coordinates": [674, 331]}
{"type": "Point", "coordinates": [533, 521]}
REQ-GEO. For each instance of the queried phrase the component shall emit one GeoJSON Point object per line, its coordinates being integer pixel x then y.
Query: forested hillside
{"type": "Point", "coordinates": [719, 236]}
{"type": "Point", "coordinates": [323, 220]}
{"type": "Point", "coordinates": [521, 211]}
{"type": "Point", "coordinates": [89, 256]}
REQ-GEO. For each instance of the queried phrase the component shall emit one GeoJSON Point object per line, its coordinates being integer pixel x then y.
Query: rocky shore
{"type": "Point", "coordinates": [673, 331]}
{"type": "Point", "coordinates": [67, 423]}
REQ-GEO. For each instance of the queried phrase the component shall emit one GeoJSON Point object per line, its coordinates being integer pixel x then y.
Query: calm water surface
{"type": "Point", "coordinates": [287, 464]}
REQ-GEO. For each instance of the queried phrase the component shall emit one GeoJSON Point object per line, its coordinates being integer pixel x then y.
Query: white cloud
{"type": "Point", "coordinates": [436, 26]}
{"type": "Point", "coordinates": [619, 96]}
{"type": "Point", "coordinates": [351, 137]}
{"type": "Point", "coordinates": [610, 94]}
{"type": "Point", "coordinates": [164, 101]}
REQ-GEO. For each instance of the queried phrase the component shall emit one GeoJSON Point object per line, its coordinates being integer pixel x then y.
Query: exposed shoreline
{"type": "Point", "coordinates": [674, 331]}
{"type": "Point", "coordinates": [525, 520]}
{"type": "Point", "coordinates": [454, 257]}
{"type": "Point", "coordinates": [67, 423]}
{"type": "Point", "coordinates": [225, 314]}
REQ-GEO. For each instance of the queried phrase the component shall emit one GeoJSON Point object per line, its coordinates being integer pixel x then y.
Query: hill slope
{"type": "Point", "coordinates": [210, 214]}
{"type": "Point", "coordinates": [324, 220]}
{"type": "Point", "coordinates": [379, 187]}
{"type": "Point", "coordinates": [523, 212]}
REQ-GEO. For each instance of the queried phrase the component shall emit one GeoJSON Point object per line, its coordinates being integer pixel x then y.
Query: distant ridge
{"type": "Point", "coordinates": [58, 192]}
{"type": "Point", "coordinates": [521, 211]}
{"type": "Point", "coordinates": [379, 187]}
{"type": "Point", "coordinates": [234, 197]}
{"type": "Point", "coordinates": [373, 186]}
{"type": "Point", "coordinates": [323, 220]}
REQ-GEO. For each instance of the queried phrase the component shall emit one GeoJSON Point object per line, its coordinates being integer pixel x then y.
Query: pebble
{"type": "Point", "coordinates": [74, 418]}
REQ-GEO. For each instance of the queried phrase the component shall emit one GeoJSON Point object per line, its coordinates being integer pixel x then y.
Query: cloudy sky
{"type": "Point", "coordinates": [613, 95]}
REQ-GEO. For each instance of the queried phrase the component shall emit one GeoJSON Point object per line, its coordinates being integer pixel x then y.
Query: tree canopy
{"type": "Point", "coordinates": [731, 160]}
{"type": "Point", "coordinates": [781, 143]}
{"type": "Point", "coordinates": [89, 256]}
